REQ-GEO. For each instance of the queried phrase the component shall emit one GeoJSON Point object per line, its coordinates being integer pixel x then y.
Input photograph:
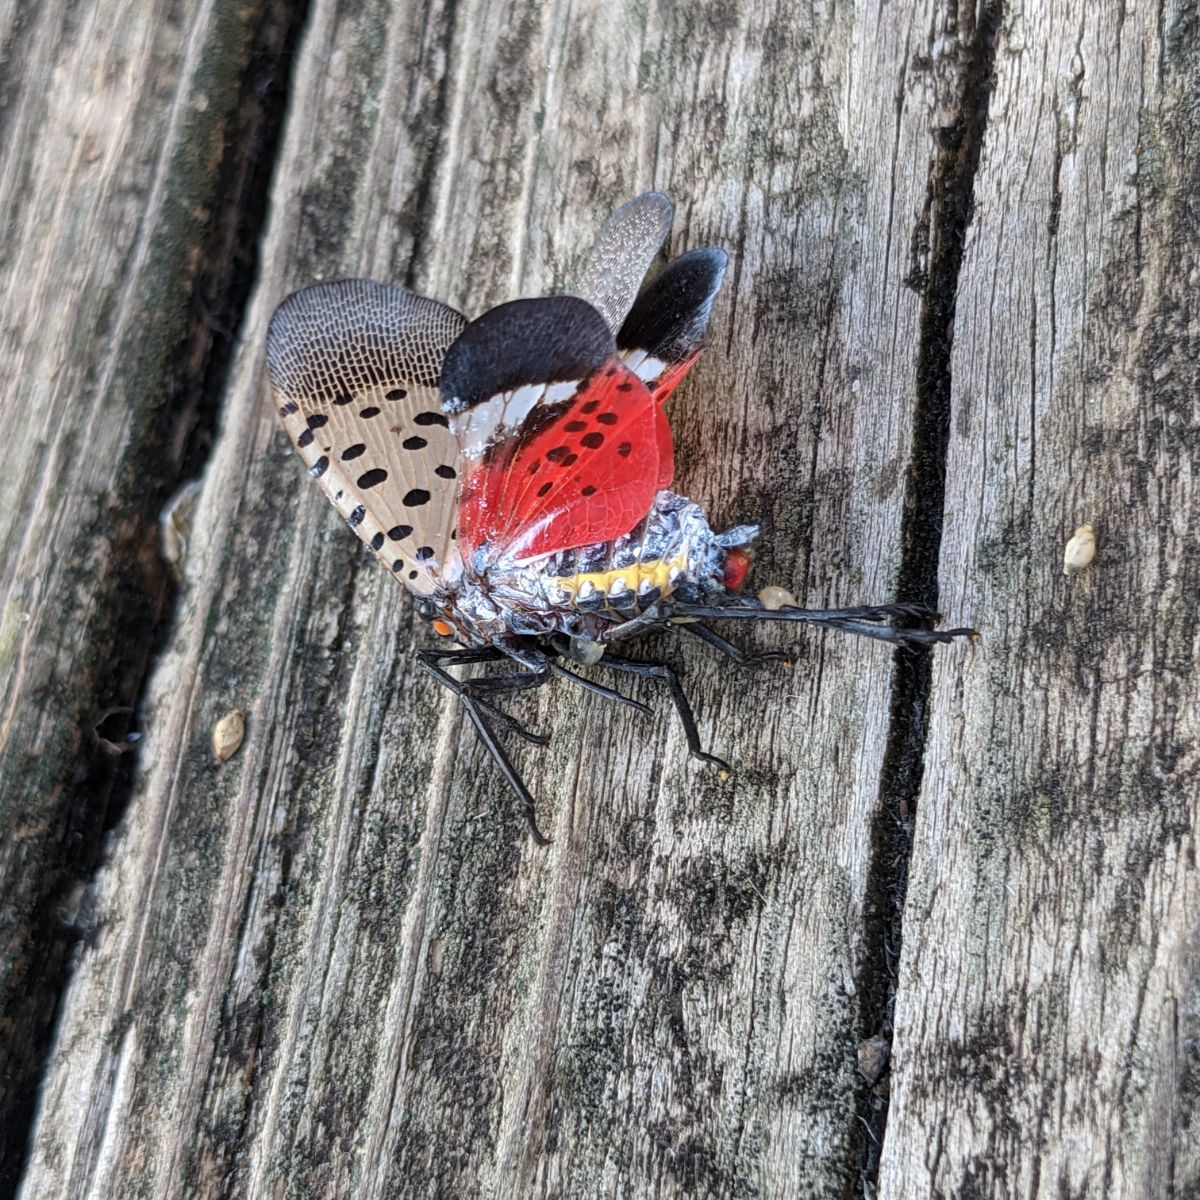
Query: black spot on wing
{"type": "Point", "coordinates": [415, 498]}
{"type": "Point", "coordinates": [399, 531]}
{"type": "Point", "coordinates": [372, 478]}
{"type": "Point", "coordinates": [593, 441]}
{"type": "Point", "coordinates": [316, 420]}
{"type": "Point", "coordinates": [305, 439]}
{"type": "Point", "coordinates": [369, 412]}
{"type": "Point", "coordinates": [608, 418]}
{"type": "Point", "coordinates": [443, 471]}
{"type": "Point", "coordinates": [377, 542]}
{"type": "Point", "coordinates": [431, 418]}
{"type": "Point", "coordinates": [355, 519]}
{"type": "Point", "coordinates": [319, 467]}
{"type": "Point", "coordinates": [352, 452]}
{"type": "Point", "coordinates": [414, 443]}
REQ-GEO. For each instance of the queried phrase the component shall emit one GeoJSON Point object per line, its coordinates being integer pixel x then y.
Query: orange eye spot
{"type": "Point", "coordinates": [443, 628]}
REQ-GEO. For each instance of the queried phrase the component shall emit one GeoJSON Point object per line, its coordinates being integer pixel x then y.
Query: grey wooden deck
{"type": "Point", "coordinates": [962, 318]}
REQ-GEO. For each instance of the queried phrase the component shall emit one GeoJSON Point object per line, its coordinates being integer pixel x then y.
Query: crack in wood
{"type": "Point", "coordinates": [948, 216]}
{"type": "Point", "coordinates": [138, 609]}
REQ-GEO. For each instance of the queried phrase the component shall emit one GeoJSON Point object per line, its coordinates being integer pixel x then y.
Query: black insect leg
{"type": "Point", "coordinates": [470, 694]}
{"type": "Point", "coordinates": [599, 689]}
{"type": "Point", "coordinates": [493, 747]}
{"type": "Point", "coordinates": [739, 656]}
{"type": "Point", "coordinates": [682, 707]}
{"type": "Point", "coordinates": [867, 621]}
{"type": "Point", "coordinates": [434, 662]}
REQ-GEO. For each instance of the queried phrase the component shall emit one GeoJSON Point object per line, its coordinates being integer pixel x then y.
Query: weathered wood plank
{"type": "Point", "coordinates": [1046, 1024]}
{"type": "Point", "coordinates": [116, 133]}
{"type": "Point", "coordinates": [335, 965]}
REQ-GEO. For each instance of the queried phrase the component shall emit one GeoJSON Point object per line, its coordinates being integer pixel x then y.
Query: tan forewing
{"type": "Point", "coordinates": [354, 366]}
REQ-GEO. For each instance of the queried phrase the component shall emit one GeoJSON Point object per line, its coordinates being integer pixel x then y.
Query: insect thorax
{"type": "Point", "coordinates": [585, 593]}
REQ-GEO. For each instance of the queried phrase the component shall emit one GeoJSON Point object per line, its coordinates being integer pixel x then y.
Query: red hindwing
{"type": "Point", "coordinates": [587, 476]}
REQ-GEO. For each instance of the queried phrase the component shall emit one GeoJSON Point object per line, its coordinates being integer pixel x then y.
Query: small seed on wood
{"type": "Point", "coordinates": [775, 598]}
{"type": "Point", "coordinates": [227, 736]}
{"type": "Point", "coordinates": [1081, 549]}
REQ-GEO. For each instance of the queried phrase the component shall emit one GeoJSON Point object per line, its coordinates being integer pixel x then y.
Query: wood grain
{"type": "Point", "coordinates": [116, 138]}
{"type": "Point", "coordinates": [1047, 1005]}
{"type": "Point", "coordinates": [335, 966]}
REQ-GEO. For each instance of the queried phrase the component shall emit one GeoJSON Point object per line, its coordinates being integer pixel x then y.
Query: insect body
{"type": "Point", "coordinates": [514, 471]}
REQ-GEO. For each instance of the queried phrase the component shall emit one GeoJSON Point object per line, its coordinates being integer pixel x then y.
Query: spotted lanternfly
{"type": "Point", "coordinates": [514, 471]}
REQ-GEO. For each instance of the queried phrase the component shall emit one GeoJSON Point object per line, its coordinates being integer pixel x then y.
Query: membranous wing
{"type": "Point", "coordinates": [660, 332]}
{"type": "Point", "coordinates": [355, 368]}
{"type": "Point", "coordinates": [622, 254]}
{"type": "Point", "coordinates": [562, 445]}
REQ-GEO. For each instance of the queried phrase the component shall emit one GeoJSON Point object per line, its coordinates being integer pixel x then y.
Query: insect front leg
{"type": "Point", "coordinates": [472, 693]}
{"type": "Point", "coordinates": [434, 663]}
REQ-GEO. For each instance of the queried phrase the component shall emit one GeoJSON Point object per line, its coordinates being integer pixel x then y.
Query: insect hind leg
{"type": "Point", "coordinates": [869, 621]}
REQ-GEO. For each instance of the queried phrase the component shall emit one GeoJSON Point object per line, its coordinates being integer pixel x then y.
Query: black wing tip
{"type": "Point", "coordinates": [545, 340]}
{"type": "Point", "coordinates": [671, 316]}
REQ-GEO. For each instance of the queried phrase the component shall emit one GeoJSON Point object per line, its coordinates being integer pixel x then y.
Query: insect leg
{"type": "Point", "coordinates": [493, 747]}
{"type": "Point", "coordinates": [675, 688]}
{"type": "Point", "coordinates": [599, 689]}
{"type": "Point", "coordinates": [479, 710]}
{"type": "Point", "coordinates": [739, 656]}
{"type": "Point", "coordinates": [434, 663]}
{"type": "Point", "coordinates": [865, 621]}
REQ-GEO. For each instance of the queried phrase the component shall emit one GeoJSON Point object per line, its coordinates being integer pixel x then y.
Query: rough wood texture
{"type": "Point", "coordinates": [335, 966]}
{"type": "Point", "coordinates": [117, 138]}
{"type": "Point", "coordinates": [1048, 1005]}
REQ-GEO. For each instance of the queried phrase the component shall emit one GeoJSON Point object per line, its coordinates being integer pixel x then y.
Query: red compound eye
{"type": "Point", "coordinates": [736, 568]}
